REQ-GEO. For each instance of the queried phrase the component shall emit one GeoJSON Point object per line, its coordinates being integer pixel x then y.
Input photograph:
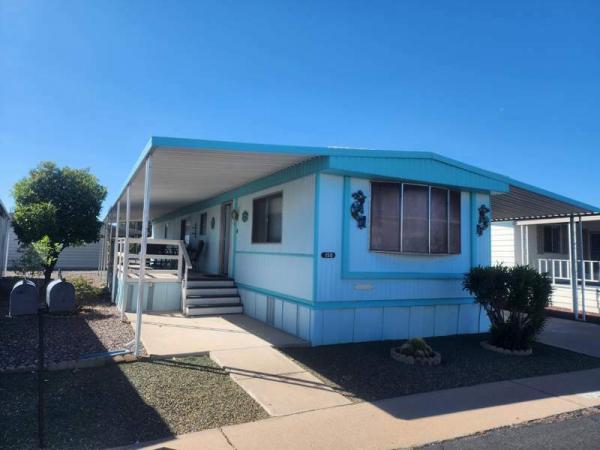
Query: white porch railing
{"type": "Point", "coordinates": [560, 270]}
{"type": "Point", "coordinates": [166, 260]}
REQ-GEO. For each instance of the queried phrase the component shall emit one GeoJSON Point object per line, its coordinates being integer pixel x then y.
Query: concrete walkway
{"type": "Point", "coordinates": [244, 347]}
{"type": "Point", "coordinates": [581, 337]}
{"type": "Point", "coordinates": [407, 421]}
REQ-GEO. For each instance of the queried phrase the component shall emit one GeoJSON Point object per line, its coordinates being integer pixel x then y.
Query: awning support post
{"type": "Point", "coordinates": [113, 289]}
{"type": "Point", "coordinates": [573, 262]}
{"type": "Point", "coordinates": [125, 290]}
{"type": "Point", "coordinates": [142, 273]}
{"type": "Point", "coordinates": [582, 257]}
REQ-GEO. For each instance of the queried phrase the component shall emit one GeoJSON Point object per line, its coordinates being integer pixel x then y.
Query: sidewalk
{"type": "Point", "coordinates": [244, 347]}
{"type": "Point", "coordinates": [407, 421]}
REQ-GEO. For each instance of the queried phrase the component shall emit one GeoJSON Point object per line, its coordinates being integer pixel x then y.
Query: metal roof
{"type": "Point", "coordinates": [188, 171]}
{"type": "Point", "coordinates": [520, 203]}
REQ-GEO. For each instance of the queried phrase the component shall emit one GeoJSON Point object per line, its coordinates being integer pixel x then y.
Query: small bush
{"type": "Point", "coordinates": [514, 299]}
{"type": "Point", "coordinates": [86, 292]}
{"type": "Point", "coordinates": [417, 347]}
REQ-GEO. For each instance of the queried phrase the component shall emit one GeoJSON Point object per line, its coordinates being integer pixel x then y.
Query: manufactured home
{"type": "Point", "coordinates": [83, 257]}
{"type": "Point", "coordinates": [329, 244]}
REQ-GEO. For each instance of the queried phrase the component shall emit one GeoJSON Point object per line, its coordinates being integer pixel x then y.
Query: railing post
{"type": "Point", "coordinates": [142, 272]}
{"type": "Point", "coordinates": [113, 289]}
{"type": "Point", "coordinates": [125, 290]}
{"type": "Point", "coordinates": [580, 242]}
{"type": "Point", "coordinates": [573, 261]}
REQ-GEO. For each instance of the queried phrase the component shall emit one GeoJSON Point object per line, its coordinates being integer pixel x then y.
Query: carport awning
{"type": "Point", "coordinates": [527, 202]}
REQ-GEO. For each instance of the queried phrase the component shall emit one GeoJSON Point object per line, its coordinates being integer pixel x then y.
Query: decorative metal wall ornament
{"type": "Point", "coordinates": [245, 216]}
{"type": "Point", "coordinates": [484, 220]}
{"type": "Point", "coordinates": [235, 214]}
{"type": "Point", "coordinates": [357, 209]}
{"type": "Point", "coordinates": [212, 223]}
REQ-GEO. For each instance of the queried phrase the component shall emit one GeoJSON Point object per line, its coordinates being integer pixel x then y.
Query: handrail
{"type": "Point", "coordinates": [560, 269]}
{"type": "Point", "coordinates": [188, 264]}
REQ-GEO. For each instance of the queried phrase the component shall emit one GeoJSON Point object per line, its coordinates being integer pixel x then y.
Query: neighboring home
{"type": "Point", "coordinates": [329, 244]}
{"type": "Point", "coordinates": [4, 230]}
{"type": "Point", "coordinates": [84, 257]}
{"type": "Point", "coordinates": [556, 240]}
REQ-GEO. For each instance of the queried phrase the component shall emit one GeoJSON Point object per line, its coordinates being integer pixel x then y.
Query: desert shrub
{"type": "Point", "coordinates": [85, 291]}
{"type": "Point", "coordinates": [514, 299]}
{"type": "Point", "coordinates": [416, 347]}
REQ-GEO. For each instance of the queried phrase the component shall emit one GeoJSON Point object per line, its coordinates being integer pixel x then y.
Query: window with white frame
{"type": "Point", "coordinates": [267, 218]}
{"type": "Point", "coordinates": [414, 218]}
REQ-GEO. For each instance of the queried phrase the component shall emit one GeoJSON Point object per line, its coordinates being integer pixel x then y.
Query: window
{"type": "Point", "coordinates": [554, 239]}
{"type": "Point", "coordinates": [203, 223]}
{"type": "Point", "coordinates": [266, 219]}
{"type": "Point", "coordinates": [411, 218]}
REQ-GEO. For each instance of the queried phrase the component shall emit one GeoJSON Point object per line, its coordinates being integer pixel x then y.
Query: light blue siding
{"type": "Point", "coordinates": [338, 326]}
{"type": "Point", "coordinates": [468, 319]}
{"type": "Point", "coordinates": [304, 316]}
{"type": "Point", "coordinates": [396, 322]}
{"type": "Point", "coordinates": [446, 319]}
{"type": "Point", "coordinates": [422, 320]}
{"type": "Point", "coordinates": [368, 324]}
{"type": "Point", "coordinates": [158, 297]}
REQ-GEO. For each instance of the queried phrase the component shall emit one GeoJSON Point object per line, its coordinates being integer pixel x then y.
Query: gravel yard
{"type": "Point", "coordinates": [95, 327]}
{"type": "Point", "coordinates": [365, 371]}
{"type": "Point", "coordinates": [122, 404]}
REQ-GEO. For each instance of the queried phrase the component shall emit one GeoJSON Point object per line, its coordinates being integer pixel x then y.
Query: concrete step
{"type": "Point", "coordinates": [216, 300]}
{"type": "Point", "coordinates": [208, 310]}
{"type": "Point", "coordinates": [195, 292]}
{"type": "Point", "coordinates": [193, 284]}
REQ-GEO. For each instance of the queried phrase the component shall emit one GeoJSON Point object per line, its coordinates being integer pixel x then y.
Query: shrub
{"type": "Point", "coordinates": [514, 299]}
{"type": "Point", "coordinates": [85, 292]}
{"type": "Point", "coordinates": [417, 347]}
{"type": "Point", "coordinates": [28, 263]}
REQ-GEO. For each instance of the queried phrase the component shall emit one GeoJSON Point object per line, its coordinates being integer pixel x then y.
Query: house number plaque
{"type": "Point", "coordinates": [328, 255]}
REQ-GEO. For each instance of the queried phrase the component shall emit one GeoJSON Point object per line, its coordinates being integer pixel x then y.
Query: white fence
{"type": "Point", "coordinates": [560, 270]}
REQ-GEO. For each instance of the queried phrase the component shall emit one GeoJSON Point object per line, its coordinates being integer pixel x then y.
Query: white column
{"type": "Point", "coordinates": [142, 273]}
{"type": "Point", "coordinates": [573, 262]}
{"type": "Point", "coordinates": [582, 257]}
{"type": "Point", "coordinates": [522, 237]}
{"type": "Point", "coordinates": [113, 287]}
{"type": "Point", "coordinates": [100, 256]}
{"type": "Point", "coordinates": [125, 290]}
{"type": "Point", "coordinates": [527, 244]}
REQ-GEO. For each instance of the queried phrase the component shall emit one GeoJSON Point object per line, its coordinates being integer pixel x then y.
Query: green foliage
{"type": "Point", "coordinates": [85, 292]}
{"type": "Point", "coordinates": [514, 299]}
{"type": "Point", "coordinates": [57, 208]}
{"type": "Point", "coordinates": [28, 263]}
{"type": "Point", "coordinates": [416, 347]}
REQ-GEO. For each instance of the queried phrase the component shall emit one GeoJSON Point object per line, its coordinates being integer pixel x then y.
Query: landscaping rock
{"type": "Point", "coordinates": [420, 358]}
{"type": "Point", "coordinates": [505, 351]}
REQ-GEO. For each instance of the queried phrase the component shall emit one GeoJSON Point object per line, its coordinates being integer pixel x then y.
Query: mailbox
{"type": "Point", "coordinates": [60, 296]}
{"type": "Point", "coordinates": [23, 299]}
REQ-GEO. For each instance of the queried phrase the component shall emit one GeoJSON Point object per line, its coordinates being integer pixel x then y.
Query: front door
{"type": "Point", "coordinates": [225, 238]}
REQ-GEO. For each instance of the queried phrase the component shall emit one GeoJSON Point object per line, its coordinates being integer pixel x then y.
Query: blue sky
{"type": "Point", "coordinates": [508, 86]}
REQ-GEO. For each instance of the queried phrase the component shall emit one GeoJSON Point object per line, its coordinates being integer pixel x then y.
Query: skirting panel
{"type": "Point", "coordinates": [336, 326]}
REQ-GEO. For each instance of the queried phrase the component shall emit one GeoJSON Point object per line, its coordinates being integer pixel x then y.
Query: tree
{"type": "Point", "coordinates": [514, 299]}
{"type": "Point", "coordinates": [56, 208]}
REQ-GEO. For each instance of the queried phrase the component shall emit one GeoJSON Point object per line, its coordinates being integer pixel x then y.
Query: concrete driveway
{"type": "Point", "coordinates": [165, 335]}
{"type": "Point", "coordinates": [244, 347]}
{"type": "Point", "coordinates": [580, 337]}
